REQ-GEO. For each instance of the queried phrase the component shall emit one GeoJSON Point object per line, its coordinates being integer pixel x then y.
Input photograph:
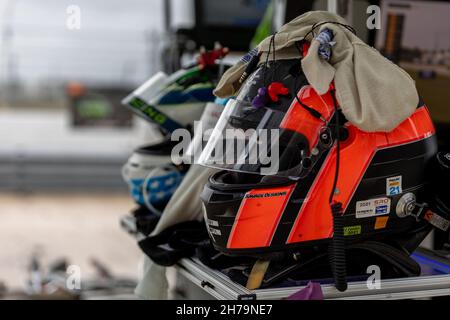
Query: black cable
{"type": "Point", "coordinates": [272, 39]}
{"type": "Point", "coordinates": [272, 50]}
{"type": "Point", "coordinates": [338, 147]}
{"type": "Point", "coordinates": [337, 247]}
{"type": "Point", "coordinates": [312, 111]}
{"type": "Point", "coordinates": [274, 58]}
{"type": "Point", "coordinates": [251, 66]}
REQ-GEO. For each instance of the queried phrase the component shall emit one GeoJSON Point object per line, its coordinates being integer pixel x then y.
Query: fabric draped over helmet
{"type": "Point", "coordinates": [374, 94]}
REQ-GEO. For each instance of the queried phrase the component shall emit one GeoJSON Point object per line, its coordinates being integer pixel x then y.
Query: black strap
{"type": "Point", "coordinates": [438, 215]}
{"type": "Point", "coordinates": [174, 243]}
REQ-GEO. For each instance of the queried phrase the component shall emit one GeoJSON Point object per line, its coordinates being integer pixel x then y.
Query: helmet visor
{"type": "Point", "coordinates": [278, 138]}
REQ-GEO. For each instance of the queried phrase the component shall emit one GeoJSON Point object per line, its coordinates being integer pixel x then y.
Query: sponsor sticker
{"type": "Point", "coordinates": [352, 230]}
{"type": "Point", "coordinates": [394, 186]}
{"type": "Point", "coordinates": [373, 207]}
{"type": "Point", "coordinates": [213, 223]}
{"type": "Point", "coordinates": [381, 222]}
{"type": "Point", "coordinates": [437, 220]}
{"type": "Point", "coordinates": [215, 231]}
{"type": "Point", "coordinates": [265, 195]}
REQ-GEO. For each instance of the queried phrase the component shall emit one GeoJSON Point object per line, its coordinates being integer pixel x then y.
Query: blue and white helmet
{"type": "Point", "coordinates": [151, 176]}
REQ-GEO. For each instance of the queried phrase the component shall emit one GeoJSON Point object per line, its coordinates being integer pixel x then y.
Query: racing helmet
{"type": "Point", "coordinates": [169, 102]}
{"type": "Point", "coordinates": [277, 199]}
{"type": "Point", "coordinates": [153, 173]}
{"type": "Point", "coordinates": [177, 100]}
{"type": "Point", "coordinates": [151, 176]}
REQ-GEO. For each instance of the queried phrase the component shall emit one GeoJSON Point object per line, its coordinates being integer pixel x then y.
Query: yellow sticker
{"type": "Point", "coordinates": [352, 230]}
{"type": "Point", "coordinates": [381, 222]}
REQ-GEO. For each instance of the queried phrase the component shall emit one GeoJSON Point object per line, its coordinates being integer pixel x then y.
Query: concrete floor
{"type": "Point", "coordinates": [75, 226]}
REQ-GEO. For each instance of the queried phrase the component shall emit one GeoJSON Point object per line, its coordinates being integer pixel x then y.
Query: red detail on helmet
{"type": "Point", "coordinates": [314, 220]}
{"type": "Point", "coordinates": [300, 120]}
{"type": "Point", "coordinates": [258, 217]}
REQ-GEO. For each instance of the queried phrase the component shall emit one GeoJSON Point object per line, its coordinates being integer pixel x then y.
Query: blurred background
{"type": "Point", "coordinates": [64, 134]}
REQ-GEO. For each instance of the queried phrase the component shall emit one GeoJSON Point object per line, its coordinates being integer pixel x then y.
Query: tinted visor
{"type": "Point", "coordinates": [276, 138]}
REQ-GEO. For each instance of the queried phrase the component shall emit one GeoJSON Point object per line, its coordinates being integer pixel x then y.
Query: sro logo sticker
{"type": "Point", "coordinates": [381, 201]}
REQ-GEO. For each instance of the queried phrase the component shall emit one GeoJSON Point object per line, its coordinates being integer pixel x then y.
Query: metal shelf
{"type": "Point", "coordinates": [221, 287]}
{"type": "Point", "coordinates": [217, 285]}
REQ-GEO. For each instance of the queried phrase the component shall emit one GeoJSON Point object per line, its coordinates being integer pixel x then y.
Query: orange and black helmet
{"type": "Point", "coordinates": [256, 213]}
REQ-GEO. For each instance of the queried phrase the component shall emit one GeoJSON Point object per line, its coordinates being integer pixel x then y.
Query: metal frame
{"type": "Point", "coordinates": [221, 287]}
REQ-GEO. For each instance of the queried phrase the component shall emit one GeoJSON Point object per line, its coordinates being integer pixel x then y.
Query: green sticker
{"type": "Point", "coordinates": [151, 113]}
{"type": "Point", "coordinates": [352, 230]}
